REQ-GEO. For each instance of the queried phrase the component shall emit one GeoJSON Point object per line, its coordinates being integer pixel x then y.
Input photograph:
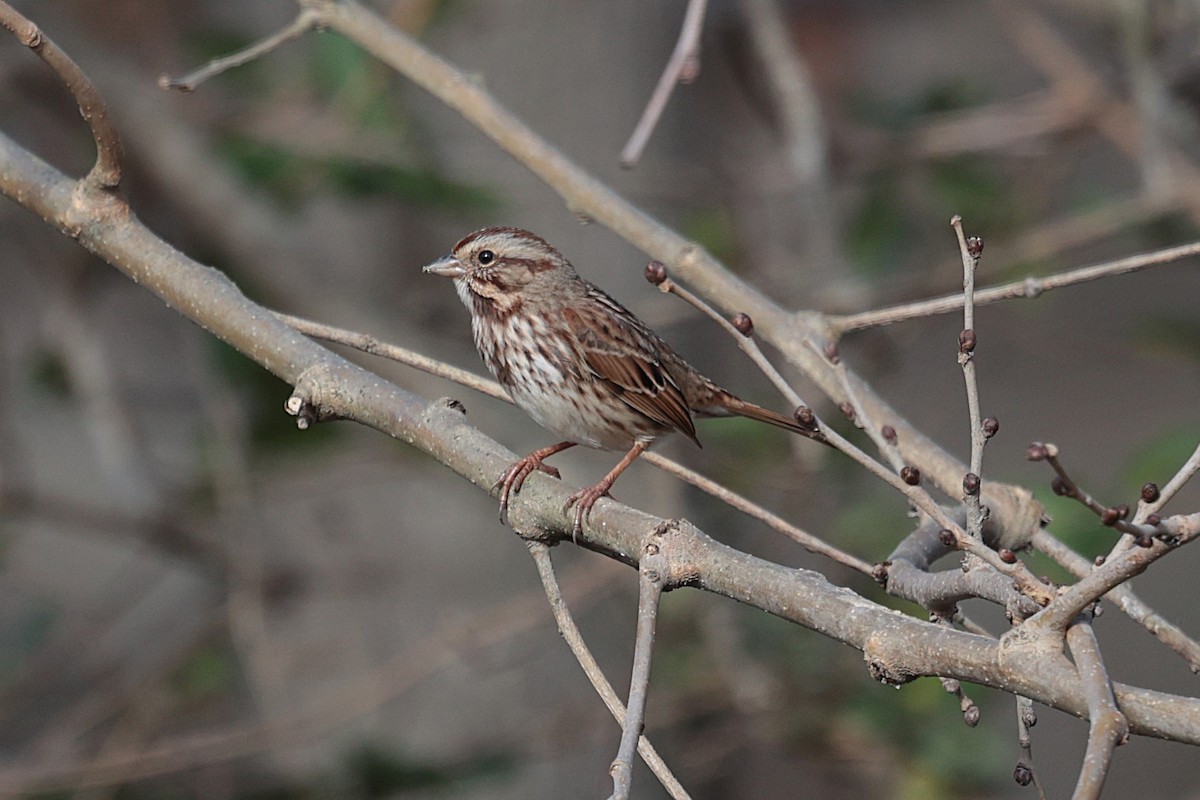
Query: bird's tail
{"type": "Point", "coordinates": [733, 405]}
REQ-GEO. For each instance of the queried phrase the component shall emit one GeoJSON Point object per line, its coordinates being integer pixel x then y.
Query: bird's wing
{"type": "Point", "coordinates": [623, 352]}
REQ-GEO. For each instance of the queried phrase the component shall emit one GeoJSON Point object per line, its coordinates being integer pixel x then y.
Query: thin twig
{"type": "Point", "coordinates": [1177, 482]}
{"type": "Point", "coordinates": [652, 567]}
{"type": "Point", "coordinates": [1028, 287]}
{"type": "Point", "coordinates": [1065, 486]}
{"type": "Point", "coordinates": [402, 355]}
{"type": "Point", "coordinates": [574, 639]}
{"type": "Point", "coordinates": [106, 172]}
{"type": "Point", "coordinates": [966, 358]}
{"type": "Point", "coordinates": [304, 22]}
{"type": "Point", "coordinates": [1108, 726]}
{"type": "Point", "coordinates": [751, 509]}
{"type": "Point", "coordinates": [682, 67]}
{"type": "Point", "coordinates": [858, 413]}
{"type": "Point", "coordinates": [744, 341]}
{"type": "Point", "coordinates": [1025, 772]}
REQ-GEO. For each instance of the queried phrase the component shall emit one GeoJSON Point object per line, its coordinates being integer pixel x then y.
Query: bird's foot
{"type": "Point", "coordinates": [583, 500]}
{"type": "Point", "coordinates": [514, 477]}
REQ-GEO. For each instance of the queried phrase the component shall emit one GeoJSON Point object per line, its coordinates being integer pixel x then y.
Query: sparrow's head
{"type": "Point", "coordinates": [499, 266]}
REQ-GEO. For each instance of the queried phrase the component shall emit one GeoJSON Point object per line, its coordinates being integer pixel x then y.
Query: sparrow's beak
{"type": "Point", "coordinates": [447, 267]}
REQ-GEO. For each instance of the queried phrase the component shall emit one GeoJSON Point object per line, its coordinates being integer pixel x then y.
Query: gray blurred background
{"type": "Point", "coordinates": [197, 600]}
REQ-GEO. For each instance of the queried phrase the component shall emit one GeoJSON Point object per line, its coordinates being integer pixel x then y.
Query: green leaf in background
{"type": "Point", "coordinates": [941, 756]}
{"type": "Point", "coordinates": [419, 187]}
{"type": "Point", "coordinates": [335, 64]}
{"type": "Point", "coordinates": [714, 230]}
{"type": "Point", "coordinates": [49, 374]}
{"type": "Point", "coordinates": [269, 425]}
{"type": "Point", "coordinates": [874, 523]}
{"type": "Point", "coordinates": [1159, 459]}
{"type": "Point", "coordinates": [899, 114]}
{"type": "Point", "coordinates": [877, 234]}
{"type": "Point", "coordinates": [29, 628]}
{"type": "Point", "coordinates": [377, 773]}
{"type": "Point", "coordinates": [1073, 524]}
{"type": "Point", "coordinates": [972, 187]}
{"type": "Point", "coordinates": [209, 672]}
{"type": "Point", "coordinates": [1171, 336]}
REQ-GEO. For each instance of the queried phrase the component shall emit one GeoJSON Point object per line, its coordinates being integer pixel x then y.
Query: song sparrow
{"type": "Point", "coordinates": [577, 361]}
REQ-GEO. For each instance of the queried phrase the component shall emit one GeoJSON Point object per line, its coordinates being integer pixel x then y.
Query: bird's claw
{"type": "Point", "coordinates": [513, 479]}
{"type": "Point", "coordinates": [583, 500]}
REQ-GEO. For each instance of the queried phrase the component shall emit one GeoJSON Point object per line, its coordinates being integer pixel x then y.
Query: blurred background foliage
{"type": "Point", "coordinates": [200, 601]}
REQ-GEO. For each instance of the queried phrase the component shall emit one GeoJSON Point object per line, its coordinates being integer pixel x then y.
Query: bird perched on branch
{"type": "Point", "coordinates": [577, 361]}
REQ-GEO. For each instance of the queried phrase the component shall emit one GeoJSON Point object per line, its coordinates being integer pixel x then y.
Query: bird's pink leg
{"type": "Point", "coordinates": [511, 481]}
{"type": "Point", "coordinates": [584, 499]}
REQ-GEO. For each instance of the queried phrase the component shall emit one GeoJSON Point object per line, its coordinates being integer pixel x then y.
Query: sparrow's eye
{"type": "Point", "coordinates": [485, 257]}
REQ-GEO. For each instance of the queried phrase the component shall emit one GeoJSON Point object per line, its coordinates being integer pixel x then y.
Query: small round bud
{"type": "Point", "coordinates": [880, 572]}
{"type": "Point", "coordinates": [975, 246]}
{"type": "Point", "coordinates": [1006, 555]}
{"type": "Point", "coordinates": [1109, 517]}
{"type": "Point", "coordinates": [991, 427]}
{"type": "Point", "coordinates": [1122, 511]}
{"type": "Point", "coordinates": [1154, 520]}
{"type": "Point", "coordinates": [971, 483]}
{"type": "Point", "coordinates": [847, 410]}
{"type": "Point", "coordinates": [1059, 486]}
{"type": "Point", "coordinates": [1150, 492]}
{"type": "Point", "coordinates": [656, 272]}
{"type": "Point", "coordinates": [971, 716]}
{"type": "Point", "coordinates": [1023, 775]}
{"type": "Point", "coordinates": [966, 340]}
{"type": "Point", "coordinates": [1145, 540]}
{"type": "Point", "coordinates": [910, 475]}
{"type": "Point", "coordinates": [948, 538]}
{"type": "Point", "coordinates": [889, 434]}
{"type": "Point", "coordinates": [1099, 560]}
{"type": "Point", "coordinates": [805, 416]}
{"type": "Point", "coordinates": [1036, 452]}
{"type": "Point", "coordinates": [831, 352]}
{"type": "Point", "coordinates": [743, 323]}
